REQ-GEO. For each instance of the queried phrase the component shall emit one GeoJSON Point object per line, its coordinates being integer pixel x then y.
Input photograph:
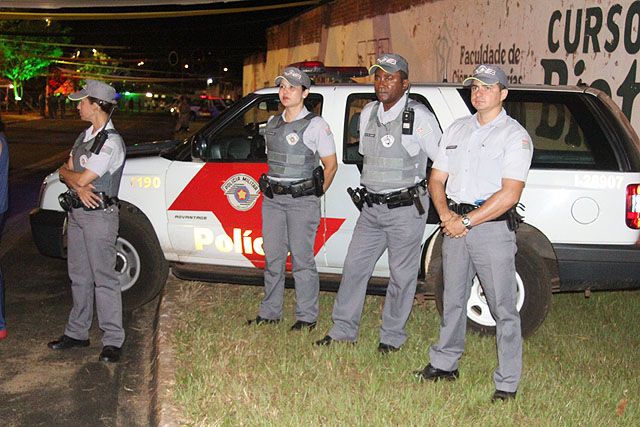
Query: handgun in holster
{"type": "Point", "coordinates": [415, 196]}
{"type": "Point", "coordinates": [514, 218]}
{"type": "Point", "coordinates": [265, 186]}
{"type": "Point", "coordinates": [318, 181]}
{"type": "Point", "coordinates": [355, 197]}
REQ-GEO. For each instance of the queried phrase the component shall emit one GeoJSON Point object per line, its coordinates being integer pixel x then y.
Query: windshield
{"type": "Point", "coordinates": [182, 151]}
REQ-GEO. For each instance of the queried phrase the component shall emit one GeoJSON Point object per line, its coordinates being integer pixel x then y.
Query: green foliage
{"type": "Point", "coordinates": [580, 368]}
{"type": "Point", "coordinates": [26, 50]}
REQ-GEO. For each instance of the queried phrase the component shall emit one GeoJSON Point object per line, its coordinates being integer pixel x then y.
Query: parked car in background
{"type": "Point", "coordinates": [205, 106]}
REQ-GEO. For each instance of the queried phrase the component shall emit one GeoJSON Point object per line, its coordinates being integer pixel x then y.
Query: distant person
{"type": "Point", "coordinates": [475, 183]}
{"type": "Point", "coordinates": [184, 115]}
{"type": "Point", "coordinates": [4, 206]}
{"type": "Point", "coordinates": [63, 106]}
{"type": "Point", "coordinates": [93, 174]}
{"type": "Point", "coordinates": [397, 137]}
{"type": "Point", "coordinates": [297, 141]}
{"type": "Point", "coordinates": [42, 104]}
{"type": "Point", "coordinates": [130, 104]}
{"type": "Point", "coordinates": [52, 104]}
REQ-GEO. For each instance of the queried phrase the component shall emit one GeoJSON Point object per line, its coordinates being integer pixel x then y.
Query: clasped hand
{"type": "Point", "coordinates": [452, 226]}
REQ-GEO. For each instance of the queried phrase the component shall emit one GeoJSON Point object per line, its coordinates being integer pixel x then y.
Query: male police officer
{"type": "Point", "coordinates": [397, 137]}
{"type": "Point", "coordinates": [93, 175]}
{"type": "Point", "coordinates": [483, 161]}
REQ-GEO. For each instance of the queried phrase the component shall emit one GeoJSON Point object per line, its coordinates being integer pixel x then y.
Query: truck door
{"type": "Point", "coordinates": [216, 218]}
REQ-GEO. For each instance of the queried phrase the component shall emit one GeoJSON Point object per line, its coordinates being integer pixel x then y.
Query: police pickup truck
{"type": "Point", "coordinates": [194, 206]}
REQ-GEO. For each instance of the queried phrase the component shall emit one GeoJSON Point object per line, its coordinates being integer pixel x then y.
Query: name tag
{"type": "Point", "coordinates": [451, 147]}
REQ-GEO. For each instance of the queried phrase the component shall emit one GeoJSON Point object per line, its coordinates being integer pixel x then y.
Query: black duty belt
{"type": "Point", "coordinates": [395, 199]}
{"type": "Point", "coordinates": [465, 208]}
{"type": "Point", "coordinates": [294, 187]}
{"type": "Point", "coordinates": [104, 202]}
{"type": "Point", "coordinates": [389, 198]}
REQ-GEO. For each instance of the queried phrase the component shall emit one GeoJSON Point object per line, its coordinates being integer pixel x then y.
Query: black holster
{"type": "Point", "coordinates": [265, 186]}
{"type": "Point", "coordinates": [514, 218]}
{"type": "Point", "coordinates": [318, 181]}
{"type": "Point", "coordinates": [358, 197]}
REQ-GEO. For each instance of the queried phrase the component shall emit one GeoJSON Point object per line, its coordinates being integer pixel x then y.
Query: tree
{"type": "Point", "coordinates": [26, 50]}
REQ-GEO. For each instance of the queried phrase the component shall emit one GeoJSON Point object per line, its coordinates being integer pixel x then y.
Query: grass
{"type": "Point", "coordinates": [580, 369]}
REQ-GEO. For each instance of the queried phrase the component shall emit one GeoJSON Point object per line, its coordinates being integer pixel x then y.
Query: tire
{"type": "Point", "coordinates": [534, 292]}
{"type": "Point", "coordinates": [141, 266]}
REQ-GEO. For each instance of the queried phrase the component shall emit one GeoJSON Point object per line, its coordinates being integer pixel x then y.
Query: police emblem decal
{"type": "Point", "coordinates": [83, 160]}
{"type": "Point", "coordinates": [242, 191]}
{"type": "Point", "coordinates": [292, 138]}
{"type": "Point", "coordinates": [387, 140]}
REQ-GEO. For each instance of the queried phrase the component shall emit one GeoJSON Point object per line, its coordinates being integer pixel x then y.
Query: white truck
{"type": "Point", "coordinates": [194, 206]}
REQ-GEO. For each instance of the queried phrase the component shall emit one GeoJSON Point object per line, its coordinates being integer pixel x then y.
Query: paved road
{"type": "Point", "coordinates": [39, 386]}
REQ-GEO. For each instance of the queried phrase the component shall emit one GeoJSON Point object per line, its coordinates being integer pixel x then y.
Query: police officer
{"type": "Point", "coordinates": [481, 168]}
{"type": "Point", "coordinates": [397, 137]}
{"type": "Point", "coordinates": [295, 140]}
{"type": "Point", "coordinates": [93, 174]}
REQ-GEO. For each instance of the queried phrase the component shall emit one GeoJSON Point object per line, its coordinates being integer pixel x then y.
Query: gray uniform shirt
{"type": "Point", "coordinates": [477, 157]}
{"type": "Point", "coordinates": [111, 155]}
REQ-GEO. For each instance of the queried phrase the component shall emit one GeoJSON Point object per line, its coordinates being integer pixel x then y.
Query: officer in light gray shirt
{"type": "Point", "coordinates": [93, 173]}
{"type": "Point", "coordinates": [297, 141]}
{"type": "Point", "coordinates": [476, 181]}
{"type": "Point", "coordinates": [397, 136]}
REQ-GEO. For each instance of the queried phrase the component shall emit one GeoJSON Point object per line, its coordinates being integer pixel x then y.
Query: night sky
{"type": "Point", "coordinates": [207, 43]}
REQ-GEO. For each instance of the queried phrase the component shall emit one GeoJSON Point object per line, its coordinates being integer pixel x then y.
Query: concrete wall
{"type": "Point", "coordinates": [535, 41]}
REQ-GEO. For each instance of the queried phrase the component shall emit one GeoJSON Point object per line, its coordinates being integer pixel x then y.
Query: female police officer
{"type": "Point", "coordinates": [291, 207]}
{"type": "Point", "coordinates": [93, 174]}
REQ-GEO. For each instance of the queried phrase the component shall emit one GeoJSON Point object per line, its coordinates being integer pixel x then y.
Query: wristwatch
{"type": "Point", "coordinates": [466, 222]}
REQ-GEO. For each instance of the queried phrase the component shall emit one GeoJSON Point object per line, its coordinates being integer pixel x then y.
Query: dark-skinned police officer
{"type": "Point", "coordinates": [397, 135]}
{"type": "Point", "coordinates": [93, 174]}
{"type": "Point", "coordinates": [476, 181]}
{"type": "Point", "coordinates": [297, 140]}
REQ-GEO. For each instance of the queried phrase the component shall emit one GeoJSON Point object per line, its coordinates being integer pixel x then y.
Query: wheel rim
{"type": "Point", "coordinates": [477, 307]}
{"type": "Point", "coordinates": [127, 264]}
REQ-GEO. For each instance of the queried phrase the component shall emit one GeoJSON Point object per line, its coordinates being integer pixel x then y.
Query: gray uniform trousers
{"type": "Point", "coordinates": [488, 250]}
{"type": "Point", "coordinates": [91, 260]}
{"type": "Point", "coordinates": [290, 225]}
{"type": "Point", "coordinates": [400, 231]}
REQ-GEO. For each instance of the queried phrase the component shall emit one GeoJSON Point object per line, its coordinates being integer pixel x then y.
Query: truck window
{"type": "Point", "coordinates": [242, 138]}
{"type": "Point", "coordinates": [351, 143]}
{"type": "Point", "coordinates": [565, 131]}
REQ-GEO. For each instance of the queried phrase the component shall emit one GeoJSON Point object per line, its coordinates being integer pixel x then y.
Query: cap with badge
{"type": "Point", "coordinates": [95, 89]}
{"type": "Point", "coordinates": [295, 77]}
{"type": "Point", "coordinates": [488, 74]}
{"type": "Point", "coordinates": [390, 63]}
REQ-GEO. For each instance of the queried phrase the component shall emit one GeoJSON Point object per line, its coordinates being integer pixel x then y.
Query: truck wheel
{"type": "Point", "coordinates": [533, 300]}
{"type": "Point", "coordinates": [141, 266]}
